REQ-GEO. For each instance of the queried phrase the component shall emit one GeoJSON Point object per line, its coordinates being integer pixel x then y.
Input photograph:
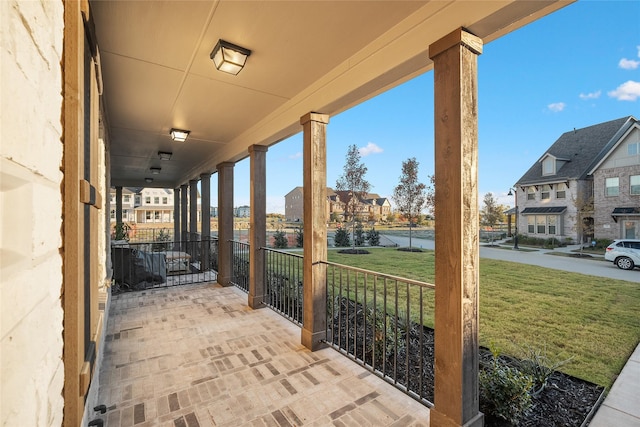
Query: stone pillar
{"type": "Point", "coordinates": [225, 221]}
{"type": "Point", "coordinates": [176, 219]}
{"type": "Point", "coordinates": [314, 328]}
{"type": "Point", "coordinates": [205, 228]}
{"type": "Point", "coordinates": [193, 209]}
{"type": "Point", "coordinates": [258, 221]}
{"type": "Point", "coordinates": [184, 225]}
{"type": "Point", "coordinates": [456, 398]}
{"type": "Point", "coordinates": [118, 205]}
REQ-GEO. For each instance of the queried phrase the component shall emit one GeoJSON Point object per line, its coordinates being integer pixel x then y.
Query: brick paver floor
{"type": "Point", "coordinates": [197, 355]}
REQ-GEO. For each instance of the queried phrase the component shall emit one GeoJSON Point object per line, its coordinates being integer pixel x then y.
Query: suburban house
{"type": "Point", "coordinates": [371, 208]}
{"type": "Point", "coordinates": [128, 94]}
{"type": "Point", "coordinates": [599, 163]}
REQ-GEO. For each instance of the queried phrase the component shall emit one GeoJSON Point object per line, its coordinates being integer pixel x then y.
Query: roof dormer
{"type": "Point", "coordinates": [551, 164]}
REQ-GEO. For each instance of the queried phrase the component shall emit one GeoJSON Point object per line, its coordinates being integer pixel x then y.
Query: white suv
{"type": "Point", "coordinates": [625, 253]}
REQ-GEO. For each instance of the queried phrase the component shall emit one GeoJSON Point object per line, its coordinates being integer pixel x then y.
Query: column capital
{"type": "Point", "coordinates": [314, 117]}
{"type": "Point", "coordinates": [193, 181]}
{"type": "Point", "coordinates": [457, 37]}
{"type": "Point", "coordinates": [184, 186]}
{"type": "Point", "coordinates": [224, 165]}
{"type": "Point", "coordinates": [258, 148]}
{"type": "Point", "coordinates": [205, 175]}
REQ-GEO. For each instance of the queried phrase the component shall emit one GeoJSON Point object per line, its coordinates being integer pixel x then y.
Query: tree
{"type": "Point", "coordinates": [491, 212]}
{"type": "Point", "coordinates": [430, 199]}
{"type": "Point", "coordinates": [299, 237]}
{"type": "Point", "coordinates": [583, 219]}
{"type": "Point", "coordinates": [410, 195]}
{"type": "Point", "coordinates": [280, 240]}
{"type": "Point", "coordinates": [354, 184]}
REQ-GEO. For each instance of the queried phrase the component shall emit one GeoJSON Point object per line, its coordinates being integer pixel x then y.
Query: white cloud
{"type": "Point", "coordinates": [556, 106]}
{"type": "Point", "coordinates": [628, 91]}
{"type": "Point", "coordinates": [628, 64]}
{"type": "Point", "coordinates": [296, 155]}
{"type": "Point", "coordinates": [371, 148]}
{"type": "Point", "coordinates": [592, 95]}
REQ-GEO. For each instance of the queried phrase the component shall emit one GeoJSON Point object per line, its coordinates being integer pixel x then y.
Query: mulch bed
{"type": "Point", "coordinates": [566, 401]}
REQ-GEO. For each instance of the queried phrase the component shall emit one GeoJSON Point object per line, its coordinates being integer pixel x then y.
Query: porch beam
{"type": "Point", "coordinates": [258, 224]}
{"type": "Point", "coordinates": [456, 397]}
{"type": "Point", "coordinates": [225, 221]}
{"type": "Point", "coordinates": [314, 329]}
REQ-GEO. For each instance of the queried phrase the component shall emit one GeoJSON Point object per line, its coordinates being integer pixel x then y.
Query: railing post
{"type": "Point", "coordinates": [314, 328]}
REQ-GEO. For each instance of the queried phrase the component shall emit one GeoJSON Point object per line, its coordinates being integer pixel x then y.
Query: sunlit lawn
{"type": "Point", "coordinates": [593, 320]}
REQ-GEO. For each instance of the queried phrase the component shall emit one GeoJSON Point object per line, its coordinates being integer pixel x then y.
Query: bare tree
{"type": "Point", "coordinates": [491, 212]}
{"type": "Point", "coordinates": [410, 195]}
{"type": "Point", "coordinates": [354, 184]}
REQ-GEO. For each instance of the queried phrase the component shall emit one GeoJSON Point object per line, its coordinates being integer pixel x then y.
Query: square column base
{"type": "Point", "coordinates": [256, 302]}
{"type": "Point", "coordinates": [438, 419]}
{"type": "Point", "coordinates": [313, 340]}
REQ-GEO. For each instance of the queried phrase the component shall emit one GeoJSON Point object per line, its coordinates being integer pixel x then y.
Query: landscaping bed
{"type": "Point", "coordinates": [564, 401]}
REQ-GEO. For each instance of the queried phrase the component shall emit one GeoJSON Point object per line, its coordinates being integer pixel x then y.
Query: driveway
{"type": "Point", "coordinates": [594, 267]}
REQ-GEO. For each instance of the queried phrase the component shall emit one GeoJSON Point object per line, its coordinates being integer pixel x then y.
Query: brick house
{"type": "Point", "coordinates": [373, 207]}
{"type": "Point", "coordinates": [600, 161]}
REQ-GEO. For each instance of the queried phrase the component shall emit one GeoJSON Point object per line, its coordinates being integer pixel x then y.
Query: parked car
{"type": "Point", "coordinates": [625, 253]}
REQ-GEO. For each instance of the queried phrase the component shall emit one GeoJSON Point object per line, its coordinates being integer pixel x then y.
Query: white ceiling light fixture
{"type": "Point", "coordinates": [179, 135]}
{"type": "Point", "coordinates": [155, 170]}
{"type": "Point", "coordinates": [229, 57]}
{"type": "Point", "coordinates": [148, 180]}
{"type": "Point", "coordinates": [165, 155]}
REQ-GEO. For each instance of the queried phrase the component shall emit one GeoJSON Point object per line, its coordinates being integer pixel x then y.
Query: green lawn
{"type": "Point", "coordinates": [593, 320]}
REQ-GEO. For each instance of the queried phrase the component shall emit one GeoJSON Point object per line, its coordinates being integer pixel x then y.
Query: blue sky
{"type": "Point", "coordinates": [577, 67]}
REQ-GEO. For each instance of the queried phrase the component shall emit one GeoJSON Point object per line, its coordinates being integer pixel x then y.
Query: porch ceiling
{"type": "Point", "coordinates": [323, 56]}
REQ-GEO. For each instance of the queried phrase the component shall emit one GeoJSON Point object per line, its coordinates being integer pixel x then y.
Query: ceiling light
{"type": "Point", "coordinates": [179, 135]}
{"type": "Point", "coordinates": [155, 171]}
{"type": "Point", "coordinates": [164, 155]}
{"type": "Point", "coordinates": [148, 180]}
{"type": "Point", "coordinates": [228, 57]}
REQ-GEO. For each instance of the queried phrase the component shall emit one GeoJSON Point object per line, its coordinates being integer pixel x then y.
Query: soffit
{"type": "Point", "coordinates": [322, 56]}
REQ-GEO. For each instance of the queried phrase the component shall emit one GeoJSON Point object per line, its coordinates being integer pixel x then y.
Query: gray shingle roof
{"type": "Point", "coordinates": [581, 147]}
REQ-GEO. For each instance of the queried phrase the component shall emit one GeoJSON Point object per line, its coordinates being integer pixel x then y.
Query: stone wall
{"type": "Point", "coordinates": [31, 36]}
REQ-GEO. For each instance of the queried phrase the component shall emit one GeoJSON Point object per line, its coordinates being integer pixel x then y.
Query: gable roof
{"type": "Point", "coordinates": [581, 149]}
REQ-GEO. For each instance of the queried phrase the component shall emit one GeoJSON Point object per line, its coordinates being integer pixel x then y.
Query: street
{"type": "Point", "coordinates": [594, 267]}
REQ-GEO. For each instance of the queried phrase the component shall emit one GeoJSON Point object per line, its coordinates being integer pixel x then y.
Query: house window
{"type": "Point", "coordinates": [561, 191]}
{"type": "Point", "coordinates": [113, 214]}
{"type": "Point", "coordinates": [546, 192]}
{"type": "Point", "coordinates": [127, 198]}
{"type": "Point", "coordinates": [541, 225]}
{"type": "Point", "coordinates": [147, 200]}
{"type": "Point", "coordinates": [157, 215]}
{"type": "Point", "coordinates": [148, 215]}
{"type": "Point", "coordinates": [551, 222]}
{"type": "Point", "coordinates": [156, 200]}
{"type": "Point", "coordinates": [634, 185]}
{"type": "Point", "coordinates": [138, 200]}
{"type": "Point", "coordinates": [633, 148]}
{"type": "Point", "coordinates": [531, 193]}
{"type": "Point", "coordinates": [165, 201]}
{"type": "Point", "coordinates": [531, 224]}
{"type": "Point", "coordinates": [549, 166]}
{"type": "Point", "coordinates": [612, 186]}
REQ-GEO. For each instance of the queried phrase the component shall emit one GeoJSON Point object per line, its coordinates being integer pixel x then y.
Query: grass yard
{"type": "Point", "coordinates": [593, 320]}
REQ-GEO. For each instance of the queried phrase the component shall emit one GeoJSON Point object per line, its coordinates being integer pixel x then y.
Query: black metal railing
{"type": "Point", "coordinates": [283, 277]}
{"type": "Point", "coordinates": [240, 264]}
{"type": "Point", "coordinates": [384, 323]}
{"type": "Point", "coordinates": [140, 266]}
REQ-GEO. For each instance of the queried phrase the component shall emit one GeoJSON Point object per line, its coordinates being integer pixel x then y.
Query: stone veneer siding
{"type": "Point", "coordinates": [31, 41]}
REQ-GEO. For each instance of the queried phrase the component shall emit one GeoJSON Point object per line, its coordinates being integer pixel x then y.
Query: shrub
{"type": "Point", "coordinates": [342, 238]}
{"type": "Point", "coordinates": [373, 236]}
{"type": "Point", "coordinates": [504, 390]}
{"type": "Point", "coordinates": [280, 240]}
{"type": "Point", "coordinates": [539, 366]}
